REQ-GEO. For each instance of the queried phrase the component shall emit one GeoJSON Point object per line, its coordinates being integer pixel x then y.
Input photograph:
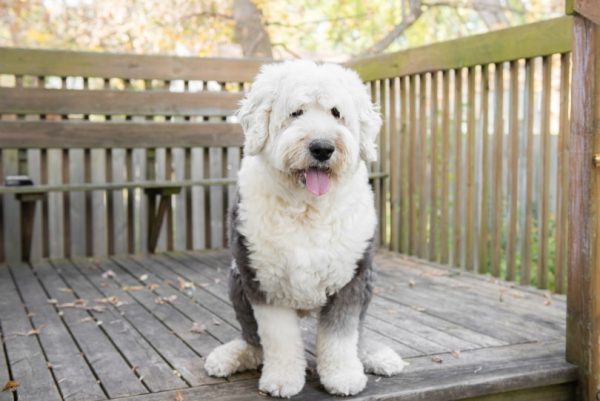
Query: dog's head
{"type": "Point", "coordinates": [313, 123]}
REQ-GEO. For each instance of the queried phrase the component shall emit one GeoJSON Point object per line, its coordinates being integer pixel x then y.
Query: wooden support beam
{"type": "Point", "coordinates": [583, 295]}
{"type": "Point", "coordinates": [157, 216]}
{"type": "Point", "coordinates": [28, 204]}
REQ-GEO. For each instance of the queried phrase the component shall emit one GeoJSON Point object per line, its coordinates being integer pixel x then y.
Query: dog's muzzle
{"type": "Point", "coordinates": [321, 150]}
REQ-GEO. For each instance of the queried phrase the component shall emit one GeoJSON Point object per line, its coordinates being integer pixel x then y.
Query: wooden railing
{"type": "Point", "coordinates": [105, 135]}
{"type": "Point", "coordinates": [474, 141]}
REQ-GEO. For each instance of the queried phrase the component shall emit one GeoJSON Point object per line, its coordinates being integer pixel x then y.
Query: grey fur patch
{"type": "Point", "coordinates": [351, 302]}
{"type": "Point", "coordinates": [341, 311]}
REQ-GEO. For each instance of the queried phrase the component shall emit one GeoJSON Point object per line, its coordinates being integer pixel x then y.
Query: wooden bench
{"type": "Point", "coordinates": [52, 102]}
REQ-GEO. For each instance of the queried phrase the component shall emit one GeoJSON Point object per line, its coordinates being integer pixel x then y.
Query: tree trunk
{"type": "Point", "coordinates": [250, 32]}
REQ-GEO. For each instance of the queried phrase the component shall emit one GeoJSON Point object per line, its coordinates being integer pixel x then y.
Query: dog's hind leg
{"type": "Point", "coordinates": [240, 354]}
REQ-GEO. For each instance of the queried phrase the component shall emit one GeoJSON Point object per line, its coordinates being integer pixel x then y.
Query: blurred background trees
{"type": "Point", "coordinates": [323, 29]}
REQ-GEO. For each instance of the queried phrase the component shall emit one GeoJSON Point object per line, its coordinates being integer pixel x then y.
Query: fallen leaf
{"type": "Point", "coordinates": [86, 319]}
{"type": "Point", "coordinates": [32, 332]}
{"type": "Point", "coordinates": [437, 359]}
{"type": "Point", "coordinates": [216, 322]}
{"type": "Point", "coordinates": [67, 290]}
{"type": "Point", "coordinates": [52, 301]}
{"type": "Point", "coordinates": [144, 277]}
{"type": "Point", "coordinates": [547, 302]}
{"type": "Point", "coordinates": [178, 396]}
{"type": "Point", "coordinates": [153, 286]}
{"type": "Point", "coordinates": [11, 386]}
{"type": "Point", "coordinates": [108, 274]}
{"type": "Point", "coordinates": [165, 300]}
{"type": "Point", "coordinates": [479, 369]}
{"type": "Point", "coordinates": [176, 373]}
{"type": "Point", "coordinates": [50, 366]}
{"type": "Point", "coordinates": [113, 300]}
{"type": "Point", "coordinates": [418, 308]}
{"type": "Point", "coordinates": [411, 283]}
{"type": "Point", "coordinates": [30, 314]}
{"type": "Point", "coordinates": [455, 354]}
{"type": "Point", "coordinates": [185, 285]}
{"type": "Point", "coordinates": [217, 280]}
{"type": "Point", "coordinates": [198, 328]}
{"type": "Point", "coordinates": [131, 288]}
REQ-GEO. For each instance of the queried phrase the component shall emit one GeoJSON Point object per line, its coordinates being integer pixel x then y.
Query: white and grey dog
{"type": "Point", "coordinates": [301, 231]}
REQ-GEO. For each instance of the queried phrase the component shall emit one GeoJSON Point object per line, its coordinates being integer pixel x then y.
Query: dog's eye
{"type": "Point", "coordinates": [335, 112]}
{"type": "Point", "coordinates": [297, 113]}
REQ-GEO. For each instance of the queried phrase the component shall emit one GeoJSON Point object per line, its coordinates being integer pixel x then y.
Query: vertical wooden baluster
{"type": "Point", "coordinates": [207, 204]}
{"type": "Point", "coordinates": [423, 161]}
{"type": "Point", "coordinates": [110, 201]}
{"type": "Point", "coordinates": [435, 179]}
{"type": "Point", "coordinates": [412, 188]}
{"type": "Point", "coordinates": [513, 164]}
{"type": "Point", "coordinates": [405, 170]}
{"type": "Point", "coordinates": [562, 184]}
{"type": "Point", "coordinates": [458, 169]}
{"type": "Point", "coordinates": [394, 168]}
{"type": "Point", "coordinates": [445, 168]}
{"type": "Point", "coordinates": [471, 193]}
{"type": "Point", "coordinates": [498, 163]}
{"type": "Point", "coordinates": [542, 281]}
{"type": "Point", "coordinates": [89, 229]}
{"type": "Point", "coordinates": [3, 227]}
{"type": "Point", "coordinates": [529, 112]}
{"type": "Point", "coordinates": [130, 168]}
{"type": "Point", "coordinates": [66, 196]}
{"type": "Point", "coordinates": [484, 221]}
{"type": "Point", "coordinates": [376, 88]}
{"type": "Point", "coordinates": [189, 207]}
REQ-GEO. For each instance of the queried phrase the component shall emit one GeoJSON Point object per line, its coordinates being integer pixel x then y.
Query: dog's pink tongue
{"type": "Point", "coordinates": [317, 181]}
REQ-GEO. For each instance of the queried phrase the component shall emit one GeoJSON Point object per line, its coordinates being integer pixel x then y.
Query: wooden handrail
{"type": "Point", "coordinates": [64, 63]}
{"type": "Point", "coordinates": [531, 40]}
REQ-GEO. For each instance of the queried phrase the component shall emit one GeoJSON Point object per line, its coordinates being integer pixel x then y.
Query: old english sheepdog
{"type": "Point", "coordinates": [301, 231]}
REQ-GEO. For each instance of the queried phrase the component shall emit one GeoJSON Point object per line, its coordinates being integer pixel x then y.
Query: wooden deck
{"type": "Point", "coordinates": [137, 328]}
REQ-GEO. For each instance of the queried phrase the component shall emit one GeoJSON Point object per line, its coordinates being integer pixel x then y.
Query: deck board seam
{"type": "Point", "coordinates": [185, 380]}
{"type": "Point", "coordinates": [73, 337]}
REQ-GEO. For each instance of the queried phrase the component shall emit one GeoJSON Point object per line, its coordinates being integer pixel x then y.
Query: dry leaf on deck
{"type": "Point", "coordinates": [144, 277]}
{"type": "Point", "coordinates": [165, 300]}
{"type": "Point", "coordinates": [86, 319]}
{"type": "Point", "coordinates": [130, 288]}
{"type": "Point", "coordinates": [32, 332]}
{"type": "Point", "coordinates": [411, 283]}
{"type": "Point", "coordinates": [11, 386]}
{"type": "Point", "coordinates": [178, 396]}
{"type": "Point", "coordinates": [437, 359]}
{"type": "Point", "coordinates": [52, 301]}
{"type": "Point", "coordinates": [185, 285]}
{"type": "Point", "coordinates": [198, 328]}
{"type": "Point", "coordinates": [65, 289]}
{"type": "Point", "coordinates": [114, 300]}
{"type": "Point", "coordinates": [455, 354]}
{"type": "Point", "coordinates": [153, 286]}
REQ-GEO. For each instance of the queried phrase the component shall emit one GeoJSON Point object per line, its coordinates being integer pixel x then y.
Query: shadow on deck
{"type": "Point", "coordinates": [137, 327]}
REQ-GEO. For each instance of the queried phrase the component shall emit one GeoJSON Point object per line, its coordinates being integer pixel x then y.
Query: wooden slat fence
{"type": "Point", "coordinates": [474, 141]}
{"type": "Point", "coordinates": [92, 126]}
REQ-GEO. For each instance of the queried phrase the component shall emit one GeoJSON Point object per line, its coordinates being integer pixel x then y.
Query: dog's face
{"type": "Point", "coordinates": [313, 123]}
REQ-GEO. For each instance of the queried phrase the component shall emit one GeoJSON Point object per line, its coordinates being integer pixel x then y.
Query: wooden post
{"type": "Point", "coordinates": [28, 203]}
{"type": "Point", "coordinates": [156, 217]}
{"type": "Point", "coordinates": [583, 296]}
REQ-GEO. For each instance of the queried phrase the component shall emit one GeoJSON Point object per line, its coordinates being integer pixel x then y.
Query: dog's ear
{"type": "Point", "coordinates": [255, 110]}
{"type": "Point", "coordinates": [370, 124]}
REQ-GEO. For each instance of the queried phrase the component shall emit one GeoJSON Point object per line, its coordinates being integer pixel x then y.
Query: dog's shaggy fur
{"type": "Point", "coordinates": [301, 230]}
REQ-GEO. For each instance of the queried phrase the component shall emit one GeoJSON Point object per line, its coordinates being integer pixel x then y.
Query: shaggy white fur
{"type": "Point", "coordinates": [306, 222]}
{"type": "Point", "coordinates": [284, 361]}
{"type": "Point", "coordinates": [233, 357]}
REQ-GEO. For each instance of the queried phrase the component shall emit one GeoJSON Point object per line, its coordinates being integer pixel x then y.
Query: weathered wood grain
{"type": "Point", "coordinates": [583, 328]}
{"type": "Point", "coordinates": [26, 359]}
{"type": "Point", "coordinates": [72, 371]}
{"type": "Point", "coordinates": [64, 63]}
{"type": "Point", "coordinates": [113, 102]}
{"type": "Point", "coordinates": [82, 134]}
{"type": "Point", "coordinates": [151, 367]}
{"type": "Point", "coordinates": [114, 372]}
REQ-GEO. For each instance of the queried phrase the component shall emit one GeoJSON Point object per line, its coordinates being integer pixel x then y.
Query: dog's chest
{"type": "Point", "coordinates": [302, 256]}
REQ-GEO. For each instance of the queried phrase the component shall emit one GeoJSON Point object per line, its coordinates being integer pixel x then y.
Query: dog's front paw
{"type": "Point", "coordinates": [281, 382]}
{"type": "Point", "coordinates": [347, 379]}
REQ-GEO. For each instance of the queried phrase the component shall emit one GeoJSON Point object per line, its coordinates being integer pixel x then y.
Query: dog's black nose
{"type": "Point", "coordinates": [321, 150]}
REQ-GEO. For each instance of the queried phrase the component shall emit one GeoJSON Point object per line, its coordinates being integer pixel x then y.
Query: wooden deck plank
{"type": "Point", "coordinates": [182, 357]}
{"type": "Point", "coordinates": [113, 371]}
{"type": "Point", "coordinates": [27, 361]}
{"type": "Point", "coordinates": [473, 374]}
{"type": "Point", "coordinates": [4, 373]}
{"type": "Point", "coordinates": [154, 371]}
{"type": "Point", "coordinates": [73, 372]}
